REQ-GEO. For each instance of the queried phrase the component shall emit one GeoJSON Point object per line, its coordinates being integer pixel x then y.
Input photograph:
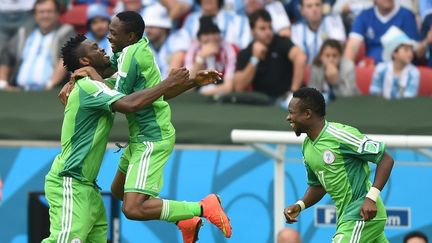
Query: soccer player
{"type": "Point", "coordinates": [139, 178]}
{"type": "Point", "coordinates": [77, 213]}
{"type": "Point", "coordinates": [336, 157]}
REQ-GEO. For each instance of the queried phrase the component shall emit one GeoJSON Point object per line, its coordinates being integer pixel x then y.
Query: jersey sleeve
{"type": "Point", "coordinates": [355, 144]}
{"type": "Point", "coordinates": [312, 179]}
{"type": "Point", "coordinates": [98, 96]}
{"type": "Point", "coordinates": [359, 26]}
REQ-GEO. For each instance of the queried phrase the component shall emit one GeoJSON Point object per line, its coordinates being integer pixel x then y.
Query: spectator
{"type": "Point", "coordinates": [288, 235]}
{"type": "Point", "coordinates": [168, 50]}
{"type": "Point", "coordinates": [425, 8]}
{"type": "Point", "coordinates": [396, 77]}
{"type": "Point", "coordinates": [211, 51]}
{"type": "Point", "coordinates": [98, 20]}
{"type": "Point", "coordinates": [13, 16]}
{"type": "Point", "coordinates": [177, 9]}
{"type": "Point", "coordinates": [415, 237]}
{"type": "Point", "coordinates": [372, 23]}
{"type": "Point", "coordinates": [32, 60]}
{"type": "Point", "coordinates": [310, 33]}
{"type": "Point", "coordinates": [234, 28]}
{"type": "Point", "coordinates": [350, 9]}
{"type": "Point", "coordinates": [332, 75]}
{"type": "Point", "coordinates": [424, 49]}
{"type": "Point", "coordinates": [280, 21]}
{"type": "Point", "coordinates": [271, 64]}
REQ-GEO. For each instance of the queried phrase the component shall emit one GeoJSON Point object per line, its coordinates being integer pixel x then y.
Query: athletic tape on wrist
{"type": "Point", "coordinates": [301, 204]}
{"type": "Point", "coordinates": [373, 194]}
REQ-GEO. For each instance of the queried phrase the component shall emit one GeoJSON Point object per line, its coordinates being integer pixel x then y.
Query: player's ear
{"type": "Point", "coordinates": [84, 61]}
{"type": "Point", "coordinates": [308, 113]}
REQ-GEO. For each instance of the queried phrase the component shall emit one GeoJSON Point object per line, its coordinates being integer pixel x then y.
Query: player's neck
{"type": "Point", "coordinates": [315, 129]}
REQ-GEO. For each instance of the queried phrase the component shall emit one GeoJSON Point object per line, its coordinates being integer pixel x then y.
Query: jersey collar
{"type": "Point", "coordinates": [386, 18]}
{"type": "Point", "coordinates": [321, 133]}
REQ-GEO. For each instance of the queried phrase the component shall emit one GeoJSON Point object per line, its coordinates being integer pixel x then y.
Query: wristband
{"type": "Point", "coordinates": [373, 194]}
{"type": "Point", "coordinates": [199, 60]}
{"type": "Point", "coordinates": [301, 204]}
{"type": "Point", "coordinates": [254, 60]}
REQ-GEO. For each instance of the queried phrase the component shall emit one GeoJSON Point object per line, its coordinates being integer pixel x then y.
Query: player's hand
{"type": "Point", "coordinates": [205, 77]}
{"type": "Point", "coordinates": [86, 72]}
{"type": "Point", "coordinates": [368, 210]}
{"type": "Point", "coordinates": [178, 76]}
{"type": "Point", "coordinates": [65, 91]}
{"type": "Point", "coordinates": [291, 213]}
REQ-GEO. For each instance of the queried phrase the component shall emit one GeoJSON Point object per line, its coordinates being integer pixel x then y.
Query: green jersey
{"type": "Point", "coordinates": [137, 70]}
{"type": "Point", "coordinates": [88, 119]}
{"type": "Point", "coordinates": [338, 160]}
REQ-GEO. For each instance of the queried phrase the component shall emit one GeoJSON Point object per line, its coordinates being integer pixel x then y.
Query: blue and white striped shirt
{"type": "Point", "coordinates": [37, 64]}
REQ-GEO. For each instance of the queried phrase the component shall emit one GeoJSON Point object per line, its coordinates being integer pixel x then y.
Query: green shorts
{"type": "Point", "coordinates": [143, 164]}
{"type": "Point", "coordinates": [76, 211]}
{"type": "Point", "coordinates": [360, 231]}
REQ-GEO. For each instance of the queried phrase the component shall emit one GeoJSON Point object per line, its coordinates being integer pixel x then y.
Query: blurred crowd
{"type": "Point", "coordinates": [341, 47]}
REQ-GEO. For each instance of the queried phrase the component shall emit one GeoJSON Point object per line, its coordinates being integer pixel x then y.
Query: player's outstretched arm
{"type": "Point", "coordinates": [138, 100]}
{"type": "Point", "coordinates": [368, 210]}
{"type": "Point", "coordinates": [202, 78]}
{"type": "Point", "coordinates": [313, 195]}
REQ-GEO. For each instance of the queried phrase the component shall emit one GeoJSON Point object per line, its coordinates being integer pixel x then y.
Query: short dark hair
{"type": "Point", "coordinates": [220, 3]}
{"type": "Point", "coordinates": [328, 43]}
{"type": "Point", "coordinates": [312, 99]}
{"type": "Point", "coordinates": [259, 14]}
{"type": "Point", "coordinates": [70, 54]}
{"type": "Point", "coordinates": [415, 234]}
{"type": "Point", "coordinates": [132, 22]}
{"type": "Point", "coordinates": [207, 26]}
{"type": "Point", "coordinates": [56, 4]}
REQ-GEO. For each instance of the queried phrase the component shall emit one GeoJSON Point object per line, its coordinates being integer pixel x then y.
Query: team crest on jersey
{"type": "Point", "coordinates": [328, 157]}
{"type": "Point", "coordinates": [76, 240]}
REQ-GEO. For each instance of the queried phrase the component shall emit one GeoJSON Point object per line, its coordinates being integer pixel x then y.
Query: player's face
{"type": "Point", "coordinates": [263, 31]}
{"type": "Point", "coordinates": [296, 116]}
{"type": "Point", "coordinates": [117, 36]}
{"type": "Point", "coordinates": [97, 56]}
{"type": "Point", "coordinates": [312, 10]}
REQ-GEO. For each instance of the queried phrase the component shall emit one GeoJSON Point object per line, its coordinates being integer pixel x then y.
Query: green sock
{"type": "Point", "coordinates": [173, 211]}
